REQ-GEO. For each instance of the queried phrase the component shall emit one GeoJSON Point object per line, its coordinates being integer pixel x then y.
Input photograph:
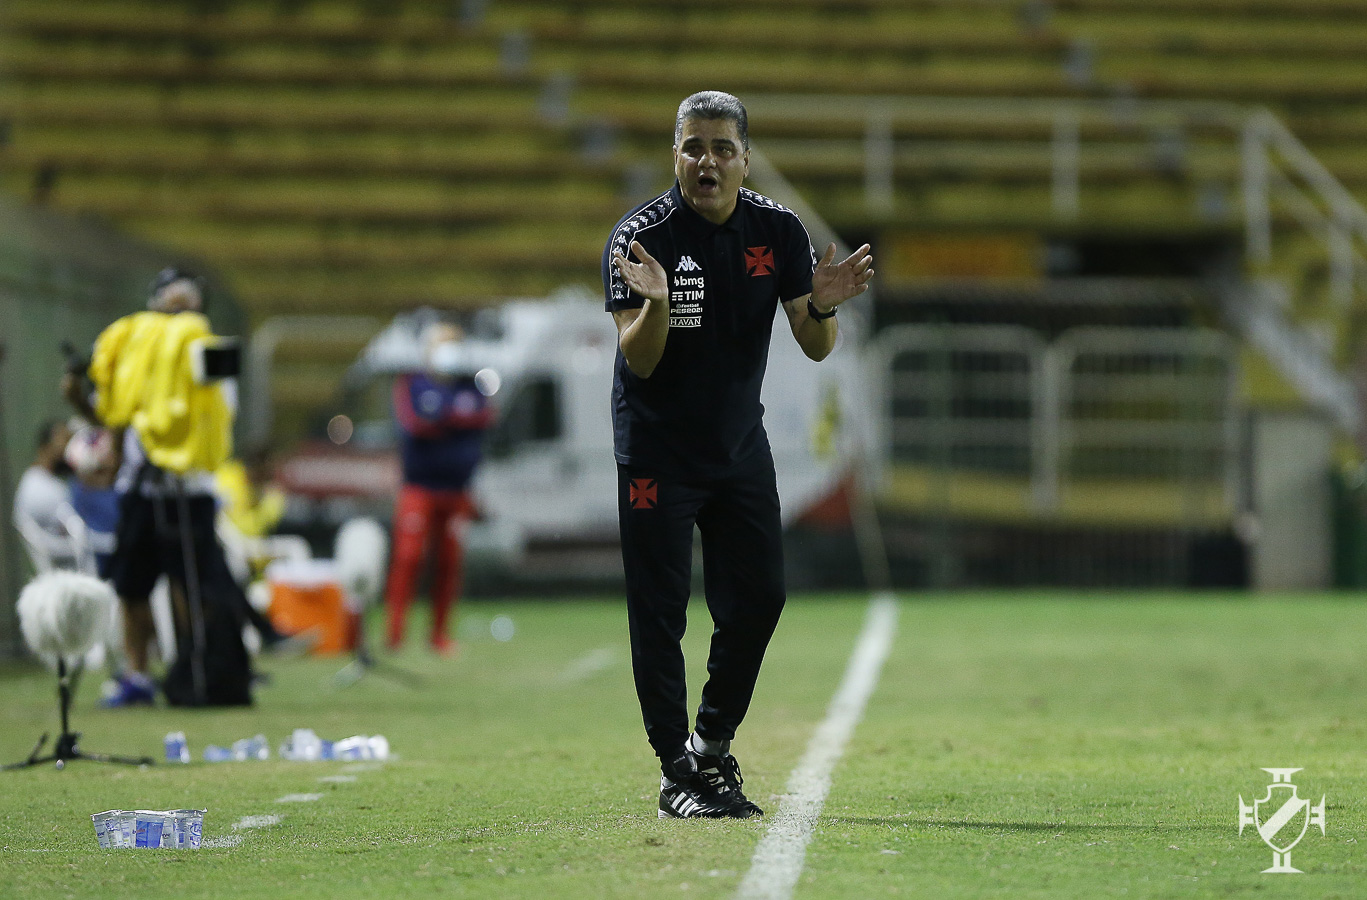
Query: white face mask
{"type": "Point", "coordinates": [450, 358]}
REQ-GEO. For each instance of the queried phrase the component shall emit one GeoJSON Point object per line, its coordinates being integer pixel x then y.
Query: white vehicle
{"type": "Point", "coordinates": [549, 476]}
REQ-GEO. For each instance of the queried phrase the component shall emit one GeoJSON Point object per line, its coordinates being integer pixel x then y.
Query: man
{"type": "Point", "coordinates": [694, 313]}
{"type": "Point", "coordinates": [42, 499]}
{"type": "Point", "coordinates": [175, 427]}
{"type": "Point", "coordinates": [442, 417]}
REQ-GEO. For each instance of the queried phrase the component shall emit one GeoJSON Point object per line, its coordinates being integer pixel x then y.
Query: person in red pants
{"type": "Point", "coordinates": [442, 417]}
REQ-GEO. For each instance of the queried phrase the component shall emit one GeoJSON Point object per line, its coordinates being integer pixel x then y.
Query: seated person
{"type": "Point", "coordinates": [42, 501]}
{"type": "Point", "coordinates": [249, 499]}
{"type": "Point", "coordinates": [250, 508]}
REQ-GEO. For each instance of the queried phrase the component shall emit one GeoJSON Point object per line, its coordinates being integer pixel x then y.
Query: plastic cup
{"type": "Point", "coordinates": [105, 823]}
{"type": "Point", "coordinates": [189, 828]}
{"type": "Point", "coordinates": [147, 829]}
{"type": "Point", "coordinates": [123, 831]}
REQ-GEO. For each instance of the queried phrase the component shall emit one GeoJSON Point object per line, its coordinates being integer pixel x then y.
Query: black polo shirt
{"type": "Point", "coordinates": [698, 415]}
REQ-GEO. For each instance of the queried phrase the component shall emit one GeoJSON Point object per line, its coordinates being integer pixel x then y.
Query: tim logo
{"type": "Point", "coordinates": [1282, 818]}
{"type": "Point", "coordinates": [759, 261]}
{"type": "Point", "coordinates": [687, 265]}
{"type": "Point", "coordinates": [645, 493]}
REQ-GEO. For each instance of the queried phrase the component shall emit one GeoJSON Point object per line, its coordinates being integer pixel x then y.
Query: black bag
{"type": "Point", "coordinates": [227, 667]}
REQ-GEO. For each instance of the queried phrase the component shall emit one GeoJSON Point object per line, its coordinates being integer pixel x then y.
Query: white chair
{"type": "Point", "coordinates": [72, 552]}
{"type": "Point", "coordinates": [75, 551]}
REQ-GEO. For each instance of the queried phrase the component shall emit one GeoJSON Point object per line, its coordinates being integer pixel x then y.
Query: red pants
{"type": "Point", "coordinates": [421, 515]}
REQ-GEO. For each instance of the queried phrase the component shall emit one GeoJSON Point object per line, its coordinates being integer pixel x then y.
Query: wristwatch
{"type": "Point", "coordinates": [818, 314]}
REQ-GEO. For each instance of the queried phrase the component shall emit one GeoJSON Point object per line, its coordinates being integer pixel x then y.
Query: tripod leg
{"type": "Point", "coordinates": [64, 696]}
{"type": "Point", "coordinates": [362, 662]}
{"type": "Point", "coordinates": [120, 760]}
{"type": "Point", "coordinates": [33, 757]}
{"type": "Point", "coordinates": [193, 597]}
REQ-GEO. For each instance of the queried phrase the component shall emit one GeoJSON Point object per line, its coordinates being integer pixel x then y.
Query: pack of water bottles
{"type": "Point", "coordinates": [303, 745]}
{"type": "Point", "coordinates": [306, 746]}
{"type": "Point", "coordinates": [173, 829]}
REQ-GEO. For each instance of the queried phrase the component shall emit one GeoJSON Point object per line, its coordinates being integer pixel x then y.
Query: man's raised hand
{"type": "Point", "coordinates": [646, 277]}
{"type": "Point", "coordinates": [834, 283]}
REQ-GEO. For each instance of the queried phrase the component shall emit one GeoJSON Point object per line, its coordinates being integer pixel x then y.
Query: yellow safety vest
{"type": "Point", "coordinates": [143, 378]}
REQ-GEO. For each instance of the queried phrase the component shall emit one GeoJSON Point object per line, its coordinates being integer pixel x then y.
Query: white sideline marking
{"type": "Point", "coordinates": [588, 665]}
{"type": "Point", "coordinates": [338, 779]}
{"type": "Point", "coordinates": [219, 843]}
{"type": "Point", "coordinates": [778, 860]}
{"type": "Point", "coordinates": [298, 798]}
{"type": "Point", "coordinates": [255, 822]}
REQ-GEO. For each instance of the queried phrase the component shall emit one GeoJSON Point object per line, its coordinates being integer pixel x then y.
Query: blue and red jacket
{"type": "Point", "coordinates": [441, 430]}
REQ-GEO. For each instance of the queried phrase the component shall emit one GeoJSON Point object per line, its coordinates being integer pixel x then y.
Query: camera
{"type": "Point", "coordinates": [76, 364]}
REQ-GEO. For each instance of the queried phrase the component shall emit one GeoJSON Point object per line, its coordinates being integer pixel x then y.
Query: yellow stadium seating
{"type": "Point", "coordinates": [353, 155]}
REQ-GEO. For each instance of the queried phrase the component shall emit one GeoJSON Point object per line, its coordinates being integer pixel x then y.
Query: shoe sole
{"type": "Point", "coordinates": [665, 813]}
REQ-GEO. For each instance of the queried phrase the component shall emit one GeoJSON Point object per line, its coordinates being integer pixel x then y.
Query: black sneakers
{"type": "Point", "coordinates": [722, 774]}
{"type": "Point", "coordinates": [685, 794]}
{"type": "Point", "coordinates": [698, 786]}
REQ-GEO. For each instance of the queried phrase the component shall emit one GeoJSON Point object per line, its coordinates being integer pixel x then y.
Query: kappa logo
{"type": "Point", "coordinates": [645, 493]}
{"type": "Point", "coordinates": [1283, 821]}
{"type": "Point", "coordinates": [686, 264]}
{"type": "Point", "coordinates": [759, 261]}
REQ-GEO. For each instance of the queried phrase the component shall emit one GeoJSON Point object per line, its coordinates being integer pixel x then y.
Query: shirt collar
{"type": "Point", "coordinates": [700, 227]}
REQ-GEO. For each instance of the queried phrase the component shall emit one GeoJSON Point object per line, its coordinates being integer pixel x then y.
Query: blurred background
{"type": "Point", "coordinates": [1117, 334]}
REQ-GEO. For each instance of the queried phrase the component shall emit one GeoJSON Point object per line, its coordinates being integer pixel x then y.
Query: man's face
{"type": "Point", "coordinates": [441, 341]}
{"type": "Point", "coordinates": [710, 164]}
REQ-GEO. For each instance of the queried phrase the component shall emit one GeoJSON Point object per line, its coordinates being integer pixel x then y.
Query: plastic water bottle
{"type": "Point", "coordinates": [303, 745]}
{"type": "Point", "coordinates": [251, 749]}
{"type": "Point", "coordinates": [357, 747]}
{"type": "Point", "coordinates": [259, 748]}
{"type": "Point", "coordinates": [215, 753]}
{"type": "Point", "coordinates": [177, 749]}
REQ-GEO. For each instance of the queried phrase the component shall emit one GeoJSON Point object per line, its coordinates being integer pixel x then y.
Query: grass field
{"type": "Point", "coordinates": [1016, 746]}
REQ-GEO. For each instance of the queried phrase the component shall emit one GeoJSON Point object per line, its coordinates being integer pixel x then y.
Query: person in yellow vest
{"type": "Point", "coordinates": [154, 385]}
{"type": "Point", "coordinates": [252, 502]}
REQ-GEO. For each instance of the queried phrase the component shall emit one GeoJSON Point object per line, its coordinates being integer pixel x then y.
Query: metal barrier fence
{"type": "Point", "coordinates": [1122, 432]}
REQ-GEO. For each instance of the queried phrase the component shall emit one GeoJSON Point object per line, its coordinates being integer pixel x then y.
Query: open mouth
{"type": "Point", "coordinates": [706, 181]}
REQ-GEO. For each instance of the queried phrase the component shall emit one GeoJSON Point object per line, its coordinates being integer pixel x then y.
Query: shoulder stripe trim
{"type": "Point", "coordinates": [653, 213]}
{"type": "Point", "coordinates": [760, 200]}
{"type": "Point", "coordinates": [648, 216]}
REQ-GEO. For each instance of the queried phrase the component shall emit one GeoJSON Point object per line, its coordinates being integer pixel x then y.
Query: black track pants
{"type": "Point", "coordinates": [742, 549]}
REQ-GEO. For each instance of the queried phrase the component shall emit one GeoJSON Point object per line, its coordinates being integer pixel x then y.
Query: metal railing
{"type": "Point", "coordinates": [1280, 182]}
{"type": "Point", "coordinates": [1051, 430]}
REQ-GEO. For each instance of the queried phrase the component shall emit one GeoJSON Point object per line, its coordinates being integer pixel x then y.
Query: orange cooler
{"type": "Point", "coordinates": [307, 594]}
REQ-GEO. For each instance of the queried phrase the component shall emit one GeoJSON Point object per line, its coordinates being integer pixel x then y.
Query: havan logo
{"type": "Point", "coordinates": [1283, 821]}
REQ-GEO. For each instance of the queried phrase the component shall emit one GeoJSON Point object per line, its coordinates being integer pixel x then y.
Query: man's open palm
{"type": "Point", "coordinates": [834, 283]}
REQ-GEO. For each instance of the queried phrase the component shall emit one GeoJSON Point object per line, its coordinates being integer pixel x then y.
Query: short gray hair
{"type": "Point", "coordinates": [713, 105]}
